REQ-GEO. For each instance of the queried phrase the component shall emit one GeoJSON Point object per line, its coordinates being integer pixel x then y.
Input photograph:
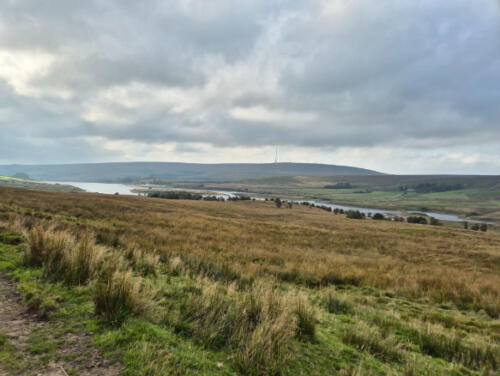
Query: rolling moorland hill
{"type": "Point", "coordinates": [112, 172]}
{"type": "Point", "coordinates": [242, 288]}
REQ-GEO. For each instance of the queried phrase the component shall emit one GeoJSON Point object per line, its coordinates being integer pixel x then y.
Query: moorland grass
{"type": "Point", "coordinates": [256, 282]}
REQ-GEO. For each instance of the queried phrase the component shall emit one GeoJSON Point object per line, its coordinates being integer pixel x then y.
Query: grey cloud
{"type": "Point", "coordinates": [420, 74]}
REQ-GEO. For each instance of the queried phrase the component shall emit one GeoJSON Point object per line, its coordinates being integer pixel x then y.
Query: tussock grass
{"type": "Point", "coordinates": [64, 258]}
{"type": "Point", "coordinates": [306, 317]}
{"type": "Point", "coordinates": [336, 304]}
{"type": "Point", "coordinates": [144, 262]}
{"type": "Point", "coordinates": [455, 348]}
{"type": "Point", "coordinates": [117, 296]}
{"type": "Point", "coordinates": [370, 339]}
{"type": "Point", "coordinates": [259, 325]}
{"type": "Point", "coordinates": [43, 245]}
{"type": "Point", "coordinates": [439, 342]}
{"type": "Point", "coordinates": [76, 261]}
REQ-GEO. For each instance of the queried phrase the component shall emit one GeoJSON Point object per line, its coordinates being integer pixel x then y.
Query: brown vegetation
{"type": "Point", "coordinates": [242, 240]}
{"type": "Point", "coordinates": [257, 279]}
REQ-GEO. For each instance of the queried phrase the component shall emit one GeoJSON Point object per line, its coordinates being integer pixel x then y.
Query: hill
{"type": "Point", "coordinates": [243, 288]}
{"type": "Point", "coordinates": [113, 172]}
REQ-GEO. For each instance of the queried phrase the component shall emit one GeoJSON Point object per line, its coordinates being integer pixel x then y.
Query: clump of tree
{"type": "Point", "coordinates": [184, 195]}
{"type": "Point", "coordinates": [479, 227]}
{"type": "Point", "coordinates": [378, 216]}
{"type": "Point", "coordinates": [431, 187]}
{"type": "Point", "coordinates": [435, 222]}
{"type": "Point", "coordinates": [417, 219]}
{"type": "Point", "coordinates": [325, 208]}
{"type": "Point", "coordinates": [338, 211]}
{"type": "Point", "coordinates": [213, 198]}
{"type": "Point", "coordinates": [340, 185]}
{"type": "Point", "coordinates": [176, 195]}
{"type": "Point", "coordinates": [354, 214]}
{"type": "Point", "coordinates": [239, 198]}
{"type": "Point", "coordinates": [278, 202]}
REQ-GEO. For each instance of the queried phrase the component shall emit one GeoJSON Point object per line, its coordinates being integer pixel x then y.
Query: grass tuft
{"type": "Point", "coordinates": [117, 296]}
{"type": "Point", "coordinates": [259, 325]}
{"type": "Point", "coordinates": [306, 318]}
{"type": "Point", "coordinates": [337, 305]}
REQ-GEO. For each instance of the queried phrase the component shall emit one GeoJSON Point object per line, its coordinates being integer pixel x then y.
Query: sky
{"type": "Point", "coordinates": [399, 86]}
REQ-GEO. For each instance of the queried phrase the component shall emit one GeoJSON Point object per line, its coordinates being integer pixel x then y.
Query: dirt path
{"type": "Point", "coordinates": [17, 324]}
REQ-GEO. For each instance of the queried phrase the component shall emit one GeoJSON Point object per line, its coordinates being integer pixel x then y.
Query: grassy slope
{"type": "Point", "coordinates": [71, 311]}
{"type": "Point", "coordinates": [6, 181]}
{"type": "Point", "coordinates": [402, 299]}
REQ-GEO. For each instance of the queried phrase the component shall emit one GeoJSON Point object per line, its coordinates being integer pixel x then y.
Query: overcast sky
{"type": "Point", "coordinates": [401, 86]}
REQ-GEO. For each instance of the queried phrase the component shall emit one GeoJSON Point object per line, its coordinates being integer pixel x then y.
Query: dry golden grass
{"type": "Point", "coordinates": [257, 325]}
{"type": "Point", "coordinates": [65, 258]}
{"type": "Point", "coordinates": [247, 240]}
{"type": "Point", "coordinates": [117, 296]}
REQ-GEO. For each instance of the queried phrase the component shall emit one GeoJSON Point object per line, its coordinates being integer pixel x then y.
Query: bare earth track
{"type": "Point", "coordinates": [17, 324]}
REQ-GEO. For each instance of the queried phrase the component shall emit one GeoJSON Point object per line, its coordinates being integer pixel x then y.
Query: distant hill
{"type": "Point", "coordinates": [113, 172]}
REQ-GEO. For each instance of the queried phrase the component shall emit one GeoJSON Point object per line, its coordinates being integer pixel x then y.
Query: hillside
{"type": "Point", "coordinates": [6, 181]}
{"type": "Point", "coordinates": [111, 172]}
{"type": "Point", "coordinates": [470, 196]}
{"type": "Point", "coordinates": [244, 288]}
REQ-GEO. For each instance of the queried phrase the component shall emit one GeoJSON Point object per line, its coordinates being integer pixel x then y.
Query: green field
{"type": "Point", "coordinates": [478, 198]}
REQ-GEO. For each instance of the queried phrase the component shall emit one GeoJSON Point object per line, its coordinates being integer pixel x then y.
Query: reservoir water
{"type": "Point", "coordinates": [106, 188]}
{"type": "Point", "coordinates": [123, 189]}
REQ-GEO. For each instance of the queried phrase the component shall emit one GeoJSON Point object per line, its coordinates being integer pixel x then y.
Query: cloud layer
{"type": "Point", "coordinates": [394, 85]}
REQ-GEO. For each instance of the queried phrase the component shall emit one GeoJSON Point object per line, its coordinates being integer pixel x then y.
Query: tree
{"type": "Point", "coordinates": [378, 216]}
{"type": "Point", "coordinates": [278, 202]}
{"type": "Point", "coordinates": [354, 214]}
{"type": "Point", "coordinates": [416, 219]}
{"type": "Point", "coordinates": [466, 225]}
{"type": "Point", "coordinates": [435, 222]}
{"type": "Point", "coordinates": [483, 227]}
